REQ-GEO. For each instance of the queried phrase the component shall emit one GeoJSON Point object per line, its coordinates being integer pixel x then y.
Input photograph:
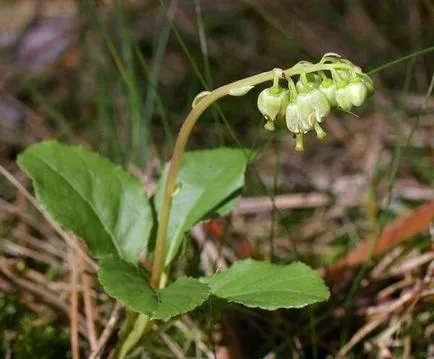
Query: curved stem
{"type": "Point", "coordinates": [175, 164]}
{"type": "Point", "coordinates": [181, 142]}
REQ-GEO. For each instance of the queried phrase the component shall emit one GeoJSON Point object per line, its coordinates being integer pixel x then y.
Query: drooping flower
{"type": "Point", "coordinates": [312, 106]}
{"type": "Point", "coordinates": [357, 91]}
{"type": "Point", "coordinates": [343, 98]}
{"type": "Point", "coordinates": [354, 92]}
{"type": "Point", "coordinates": [305, 113]}
{"type": "Point", "coordinates": [272, 103]}
{"type": "Point", "coordinates": [294, 121]}
{"type": "Point", "coordinates": [307, 102]}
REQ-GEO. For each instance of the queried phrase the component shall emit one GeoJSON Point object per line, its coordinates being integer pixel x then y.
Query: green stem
{"type": "Point", "coordinates": [276, 78]}
{"type": "Point", "coordinates": [183, 137]}
{"type": "Point", "coordinates": [293, 90]}
{"type": "Point", "coordinates": [141, 325]}
{"type": "Point", "coordinates": [401, 59]}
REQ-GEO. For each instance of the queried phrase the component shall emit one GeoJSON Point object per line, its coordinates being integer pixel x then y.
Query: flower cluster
{"type": "Point", "coordinates": [333, 82]}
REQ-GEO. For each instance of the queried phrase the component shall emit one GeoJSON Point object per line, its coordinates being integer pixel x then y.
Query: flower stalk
{"type": "Point", "coordinates": [314, 107]}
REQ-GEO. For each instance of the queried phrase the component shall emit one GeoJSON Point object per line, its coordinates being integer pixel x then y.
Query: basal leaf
{"type": "Point", "coordinates": [129, 285]}
{"type": "Point", "coordinates": [90, 197]}
{"type": "Point", "coordinates": [268, 286]}
{"type": "Point", "coordinates": [210, 183]}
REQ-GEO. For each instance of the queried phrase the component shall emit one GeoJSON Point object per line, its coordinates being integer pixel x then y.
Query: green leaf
{"type": "Point", "coordinates": [129, 285]}
{"type": "Point", "coordinates": [91, 197]}
{"type": "Point", "coordinates": [268, 286]}
{"type": "Point", "coordinates": [210, 184]}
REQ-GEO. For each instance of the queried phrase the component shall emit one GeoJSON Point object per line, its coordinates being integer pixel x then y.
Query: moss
{"type": "Point", "coordinates": [23, 338]}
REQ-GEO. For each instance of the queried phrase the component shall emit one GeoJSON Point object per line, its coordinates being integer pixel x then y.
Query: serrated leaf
{"type": "Point", "coordinates": [129, 285]}
{"type": "Point", "coordinates": [210, 183]}
{"type": "Point", "coordinates": [268, 286]}
{"type": "Point", "coordinates": [90, 197]}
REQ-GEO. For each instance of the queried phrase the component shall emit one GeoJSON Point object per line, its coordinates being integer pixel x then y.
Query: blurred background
{"type": "Point", "coordinates": [119, 78]}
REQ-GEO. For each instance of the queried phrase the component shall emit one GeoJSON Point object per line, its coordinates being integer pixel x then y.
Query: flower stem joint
{"type": "Point", "coordinates": [332, 82]}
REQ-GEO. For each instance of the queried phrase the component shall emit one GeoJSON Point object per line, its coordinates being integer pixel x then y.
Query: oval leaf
{"type": "Point", "coordinates": [129, 285]}
{"type": "Point", "coordinates": [268, 286]}
{"type": "Point", "coordinates": [209, 183]}
{"type": "Point", "coordinates": [91, 197]}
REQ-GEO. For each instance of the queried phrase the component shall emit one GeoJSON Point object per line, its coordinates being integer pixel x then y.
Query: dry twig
{"type": "Point", "coordinates": [287, 201]}
{"type": "Point", "coordinates": [108, 330]}
{"type": "Point", "coordinates": [86, 280]}
{"type": "Point", "coordinates": [74, 305]}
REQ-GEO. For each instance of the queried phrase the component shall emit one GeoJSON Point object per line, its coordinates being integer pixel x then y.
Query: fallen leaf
{"type": "Point", "coordinates": [399, 230]}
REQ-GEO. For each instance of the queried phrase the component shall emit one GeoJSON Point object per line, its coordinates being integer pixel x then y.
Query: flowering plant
{"type": "Point", "coordinates": [108, 209]}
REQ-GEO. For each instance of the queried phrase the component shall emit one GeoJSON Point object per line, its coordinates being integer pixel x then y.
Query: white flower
{"type": "Point", "coordinates": [343, 98]}
{"type": "Point", "coordinates": [273, 101]}
{"type": "Point", "coordinates": [357, 92]}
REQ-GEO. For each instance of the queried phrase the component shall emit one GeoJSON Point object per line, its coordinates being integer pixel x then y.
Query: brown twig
{"type": "Point", "coordinates": [14, 249]}
{"type": "Point", "coordinates": [265, 204]}
{"type": "Point", "coordinates": [108, 330]}
{"type": "Point", "coordinates": [55, 249]}
{"type": "Point", "coordinates": [21, 203]}
{"type": "Point", "coordinates": [360, 334]}
{"type": "Point", "coordinates": [74, 305]}
{"type": "Point", "coordinates": [86, 280]}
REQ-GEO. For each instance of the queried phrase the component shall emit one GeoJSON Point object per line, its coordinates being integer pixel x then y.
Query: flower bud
{"type": "Point", "coordinates": [357, 92]}
{"type": "Point", "coordinates": [273, 101]}
{"type": "Point", "coordinates": [199, 97]}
